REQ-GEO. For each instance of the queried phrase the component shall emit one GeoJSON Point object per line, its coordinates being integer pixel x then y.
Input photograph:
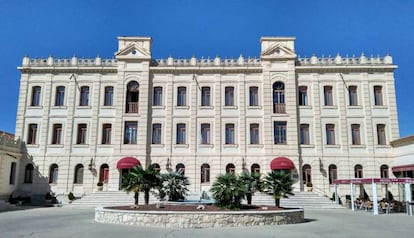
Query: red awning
{"type": "Point", "coordinates": [281, 163]}
{"type": "Point", "coordinates": [127, 163]}
{"type": "Point", "coordinates": [408, 167]}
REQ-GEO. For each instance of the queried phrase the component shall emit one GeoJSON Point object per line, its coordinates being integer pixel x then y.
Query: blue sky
{"type": "Point", "coordinates": [228, 28]}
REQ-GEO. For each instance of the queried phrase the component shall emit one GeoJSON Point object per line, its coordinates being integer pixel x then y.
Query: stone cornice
{"type": "Point", "coordinates": [68, 69]}
{"type": "Point", "coordinates": [403, 141]}
{"type": "Point", "coordinates": [206, 69]}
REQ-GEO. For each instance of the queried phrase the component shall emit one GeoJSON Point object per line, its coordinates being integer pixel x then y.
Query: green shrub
{"type": "Point", "coordinates": [71, 197]}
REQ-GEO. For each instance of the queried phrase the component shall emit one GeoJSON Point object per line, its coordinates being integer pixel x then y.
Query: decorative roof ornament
{"type": "Point", "coordinates": [362, 59]}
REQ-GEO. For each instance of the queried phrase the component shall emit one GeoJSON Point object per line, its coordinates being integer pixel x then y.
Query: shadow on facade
{"type": "Point", "coordinates": [33, 187]}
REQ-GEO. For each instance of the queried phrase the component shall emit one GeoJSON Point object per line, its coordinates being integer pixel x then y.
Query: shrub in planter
{"type": "Point", "coordinates": [71, 197]}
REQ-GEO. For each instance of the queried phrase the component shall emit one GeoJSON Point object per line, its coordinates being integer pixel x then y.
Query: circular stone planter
{"type": "Point", "coordinates": [199, 219]}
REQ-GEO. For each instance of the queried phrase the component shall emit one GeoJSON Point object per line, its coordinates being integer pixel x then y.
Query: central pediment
{"type": "Point", "coordinates": [134, 48]}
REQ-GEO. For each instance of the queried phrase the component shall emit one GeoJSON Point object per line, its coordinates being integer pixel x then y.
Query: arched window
{"type": "Point", "coordinates": [132, 97]}
{"type": "Point", "coordinates": [358, 171]}
{"type": "Point", "coordinates": [28, 174]}
{"type": "Point", "coordinates": [205, 173]}
{"type": "Point", "coordinates": [78, 178]}
{"type": "Point", "coordinates": [333, 174]}
{"type": "Point", "coordinates": [307, 174]}
{"type": "Point", "coordinates": [279, 97]}
{"type": "Point", "coordinates": [53, 173]}
{"type": "Point", "coordinates": [384, 171]}
{"type": "Point", "coordinates": [255, 168]}
{"type": "Point", "coordinates": [157, 167]}
{"type": "Point", "coordinates": [180, 168]}
{"type": "Point", "coordinates": [230, 168]}
{"type": "Point", "coordinates": [104, 173]}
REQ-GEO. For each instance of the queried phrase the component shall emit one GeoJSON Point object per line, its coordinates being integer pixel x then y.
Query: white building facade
{"type": "Point", "coordinates": [89, 120]}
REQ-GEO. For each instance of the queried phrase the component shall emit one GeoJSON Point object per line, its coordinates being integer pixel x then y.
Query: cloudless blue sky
{"type": "Point", "coordinates": [228, 28]}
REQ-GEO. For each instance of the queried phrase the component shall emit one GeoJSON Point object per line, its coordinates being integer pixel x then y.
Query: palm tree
{"type": "Point", "coordinates": [252, 183]}
{"type": "Point", "coordinates": [279, 183]}
{"type": "Point", "coordinates": [174, 185]}
{"type": "Point", "coordinates": [140, 180]}
{"type": "Point", "coordinates": [228, 191]}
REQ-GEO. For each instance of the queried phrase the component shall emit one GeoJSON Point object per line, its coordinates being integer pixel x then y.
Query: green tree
{"type": "Point", "coordinates": [174, 185]}
{"type": "Point", "coordinates": [279, 183]}
{"type": "Point", "coordinates": [228, 191]}
{"type": "Point", "coordinates": [252, 183]}
{"type": "Point", "coordinates": [140, 180]}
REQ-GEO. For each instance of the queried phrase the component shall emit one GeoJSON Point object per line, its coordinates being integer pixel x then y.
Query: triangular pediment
{"type": "Point", "coordinates": [133, 50]}
{"type": "Point", "coordinates": [278, 51]}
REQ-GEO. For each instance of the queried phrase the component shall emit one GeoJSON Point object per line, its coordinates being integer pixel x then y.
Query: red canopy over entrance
{"type": "Point", "coordinates": [281, 163]}
{"type": "Point", "coordinates": [401, 168]}
{"type": "Point", "coordinates": [127, 163]}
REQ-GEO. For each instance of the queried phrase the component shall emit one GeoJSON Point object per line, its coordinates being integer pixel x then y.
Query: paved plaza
{"type": "Point", "coordinates": [79, 222]}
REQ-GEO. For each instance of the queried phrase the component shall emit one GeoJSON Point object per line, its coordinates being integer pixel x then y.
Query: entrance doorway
{"type": "Point", "coordinates": [307, 175]}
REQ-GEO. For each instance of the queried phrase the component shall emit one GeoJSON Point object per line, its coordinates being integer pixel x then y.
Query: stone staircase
{"type": "Point", "coordinates": [110, 198]}
{"type": "Point", "coordinates": [308, 200]}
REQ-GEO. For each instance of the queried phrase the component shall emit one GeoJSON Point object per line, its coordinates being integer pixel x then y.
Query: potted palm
{"type": "Point", "coordinates": [99, 186]}
{"type": "Point", "coordinates": [309, 186]}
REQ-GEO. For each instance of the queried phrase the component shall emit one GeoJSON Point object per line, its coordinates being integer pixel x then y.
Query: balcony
{"type": "Point", "coordinates": [279, 108]}
{"type": "Point", "coordinates": [132, 107]}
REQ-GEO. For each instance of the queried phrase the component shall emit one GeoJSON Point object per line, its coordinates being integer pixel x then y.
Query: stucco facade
{"type": "Point", "coordinates": [10, 157]}
{"type": "Point", "coordinates": [330, 116]}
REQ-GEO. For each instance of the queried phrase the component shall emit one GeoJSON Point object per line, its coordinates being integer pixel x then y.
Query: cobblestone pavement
{"type": "Point", "coordinates": [79, 222]}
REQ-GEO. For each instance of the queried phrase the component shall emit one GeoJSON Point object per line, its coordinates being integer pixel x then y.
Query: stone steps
{"type": "Point", "coordinates": [299, 200]}
{"type": "Point", "coordinates": [120, 198]}
{"type": "Point", "coordinates": [110, 198]}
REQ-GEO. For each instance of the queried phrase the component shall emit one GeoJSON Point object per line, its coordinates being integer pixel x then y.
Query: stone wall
{"type": "Point", "coordinates": [198, 219]}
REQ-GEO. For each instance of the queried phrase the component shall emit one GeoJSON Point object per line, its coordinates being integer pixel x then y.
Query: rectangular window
{"type": "Point", "coordinates": [12, 177]}
{"type": "Point", "coordinates": [157, 96]}
{"type": "Point", "coordinates": [230, 134]}
{"type": "Point", "coordinates": [353, 95]}
{"type": "Point", "coordinates": [378, 96]}
{"type": "Point", "coordinates": [106, 134]}
{"type": "Point", "coordinates": [328, 98]}
{"type": "Point", "coordinates": [131, 132]}
{"type": "Point", "coordinates": [355, 134]}
{"type": "Point", "coordinates": [205, 96]}
{"type": "Point", "coordinates": [254, 134]}
{"type": "Point", "coordinates": [36, 90]}
{"type": "Point", "coordinates": [84, 97]}
{"type": "Point", "coordinates": [156, 134]}
{"type": "Point", "coordinates": [57, 134]}
{"type": "Point", "coordinates": [205, 134]}
{"type": "Point", "coordinates": [304, 134]}
{"type": "Point", "coordinates": [60, 96]}
{"type": "Point", "coordinates": [381, 134]}
{"type": "Point", "coordinates": [109, 95]}
{"type": "Point", "coordinates": [32, 134]}
{"type": "Point", "coordinates": [181, 134]}
{"type": "Point", "coordinates": [279, 132]}
{"type": "Point", "coordinates": [82, 134]}
{"type": "Point", "coordinates": [229, 96]}
{"type": "Point", "coordinates": [253, 96]}
{"type": "Point", "coordinates": [181, 96]}
{"type": "Point", "coordinates": [303, 96]}
{"type": "Point", "coordinates": [330, 134]}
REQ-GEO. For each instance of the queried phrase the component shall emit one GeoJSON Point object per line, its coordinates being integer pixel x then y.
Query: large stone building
{"type": "Point", "coordinates": [322, 118]}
